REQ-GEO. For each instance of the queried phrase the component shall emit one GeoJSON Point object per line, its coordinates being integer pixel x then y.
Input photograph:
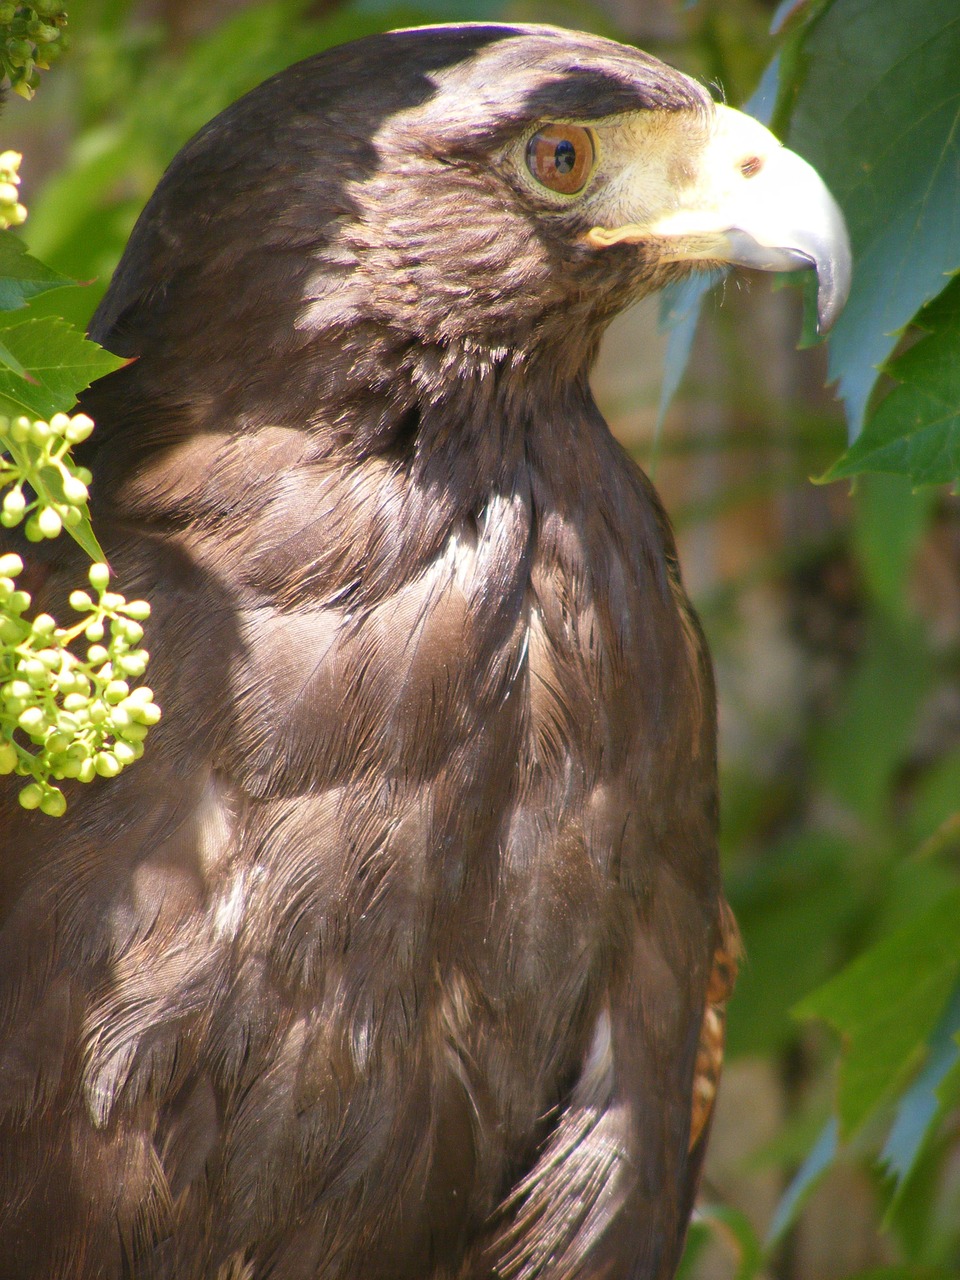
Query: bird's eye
{"type": "Point", "coordinates": [560, 156]}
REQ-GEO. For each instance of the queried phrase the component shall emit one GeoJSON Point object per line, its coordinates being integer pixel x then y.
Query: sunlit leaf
{"type": "Point", "coordinates": [877, 112]}
{"type": "Point", "coordinates": [10, 361]}
{"type": "Point", "coordinates": [61, 362]}
{"type": "Point", "coordinates": [886, 1004]}
{"type": "Point", "coordinates": [921, 1105]}
{"type": "Point", "coordinates": [21, 276]}
{"type": "Point", "coordinates": [915, 429]}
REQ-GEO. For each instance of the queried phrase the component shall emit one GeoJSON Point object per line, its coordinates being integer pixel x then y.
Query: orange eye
{"type": "Point", "coordinates": [560, 156]}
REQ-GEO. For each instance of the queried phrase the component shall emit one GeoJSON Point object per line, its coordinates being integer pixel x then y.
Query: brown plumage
{"type": "Point", "coordinates": [392, 958]}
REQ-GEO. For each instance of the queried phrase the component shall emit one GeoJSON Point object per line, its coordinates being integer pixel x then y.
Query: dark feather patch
{"type": "Point", "coordinates": [390, 958]}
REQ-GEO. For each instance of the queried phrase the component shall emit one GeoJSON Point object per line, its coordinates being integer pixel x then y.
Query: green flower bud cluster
{"type": "Point", "coordinates": [35, 455]}
{"type": "Point", "coordinates": [63, 715]}
{"type": "Point", "coordinates": [12, 212]}
{"type": "Point", "coordinates": [31, 37]}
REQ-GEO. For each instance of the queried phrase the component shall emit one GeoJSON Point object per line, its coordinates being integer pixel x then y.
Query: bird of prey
{"type": "Point", "coordinates": [402, 953]}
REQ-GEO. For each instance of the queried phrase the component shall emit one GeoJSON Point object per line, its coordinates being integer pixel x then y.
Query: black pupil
{"type": "Point", "coordinates": [565, 156]}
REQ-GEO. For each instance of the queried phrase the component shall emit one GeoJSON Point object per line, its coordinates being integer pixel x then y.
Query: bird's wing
{"type": "Point", "coordinates": [611, 1190]}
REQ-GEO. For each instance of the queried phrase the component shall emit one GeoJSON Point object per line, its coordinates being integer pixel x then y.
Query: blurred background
{"type": "Point", "coordinates": [833, 612]}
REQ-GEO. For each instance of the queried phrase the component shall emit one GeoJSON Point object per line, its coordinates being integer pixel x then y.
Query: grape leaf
{"type": "Point", "coordinates": [916, 427]}
{"type": "Point", "coordinates": [60, 361]}
{"type": "Point", "coordinates": [886, 1003]}
{"type": "Point", "coordinates": [23, 277]}
{"type": "Point", "coordinates": [876, 112]}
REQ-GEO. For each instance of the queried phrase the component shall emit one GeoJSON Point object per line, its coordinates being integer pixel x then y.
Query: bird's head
{"type": "Point", "coordinates": [488, 189]}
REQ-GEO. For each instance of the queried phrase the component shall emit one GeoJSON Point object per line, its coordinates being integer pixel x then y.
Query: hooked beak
{"type": "Point", "coordinates": [752, 203]}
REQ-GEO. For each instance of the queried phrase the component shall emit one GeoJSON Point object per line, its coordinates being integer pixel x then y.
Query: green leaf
{"type": "Point", "coordinates": [907, 1272]}
{"type": "Point", "coordinates": [802, 890]}
{"type": "Point", "coordinates": [921, 1107]}
{"type": "Point", "coordinates": [83, 216]}
{"type": "Point", "coordinates": [734, 1231]}
{"type": "Point", "coordinates": [698, 1237]}
{"type": "Point", "coordinates": [10, 360]}
{"type": "Point", "coordinates": [915, 429]}
{"type": "Point", "coordinates": [821, 1157]}
{"type": "Point", "coordinates": [23, 277]}
{"type": "Point", "coordinates": [680, 306]}
{"type": "Point", "coordinates": [936, 807]}
{"type": "Point", "coordinates": [59, 359]}
{"type": "Point", "coordinates": [890, 522]}
{"type": "Point", "coordinates": [48, 483]}
{"type": "Point", "coordinates": [877, 113]}
{"type": "Point", "coordinates": [858, 750]}
{"type": "Point", "coordinates": [886, 1004]}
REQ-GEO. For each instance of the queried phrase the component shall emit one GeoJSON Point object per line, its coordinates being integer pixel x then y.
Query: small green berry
{"type": "Point", "coordinates": [31, 795]}
{"type": "Point", "coordinates": [49, 523]}
{"type": "Point", "coordinates": [76, 431]}
{"type": "Point", "coordinates": [107, 764]}
{"type": "Point", "coordinates": [56, 742]}
{"type": "Point", "coordinates": [14, 502]}
{"type": "Point", "coordinates": [135, 732]}
{"type": "Point", "coordinates": [125, 752]}
{"type": "Point", "coordinates": [132, 664]}
{"type": "Point", "coordinates": [32, 720]}
{"type": "Point", "coordinates": [44, 625]}
{"type": "Point", "coordinates": [74, 490]}
{"type": "Point", "coordinates": [53, 804]}
{"type": "Point", "coordinates": [116, 691]}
